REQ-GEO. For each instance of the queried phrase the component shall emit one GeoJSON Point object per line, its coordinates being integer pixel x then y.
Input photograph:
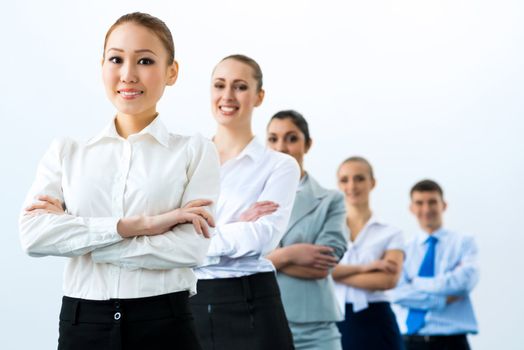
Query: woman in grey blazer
{"type": "Point", "coordinates": [313, 243]}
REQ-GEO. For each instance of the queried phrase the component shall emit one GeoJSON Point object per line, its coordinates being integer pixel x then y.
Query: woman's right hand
{"type": "Point", "coordinates": [258, 210]}
{"type": "Point", "coordinates": [382, 265]}
{"type": "Point", "coordinates": [192, 213]}
{"type": "Point", "coordinates": [312, 255]}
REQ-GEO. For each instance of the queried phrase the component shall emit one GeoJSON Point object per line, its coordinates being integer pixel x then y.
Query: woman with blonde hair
{"type": "Point", "coordinates": [371, 265]}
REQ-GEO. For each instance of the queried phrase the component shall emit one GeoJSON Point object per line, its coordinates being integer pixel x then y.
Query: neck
{"type": "Point", "coordinates": [131, 124]}
{"type": "Point", "coordinates": [358, 214]}
{"type": "Point", "coordinates": [230, 142]}
{"type": "Point", "coordinates": [431, 230]}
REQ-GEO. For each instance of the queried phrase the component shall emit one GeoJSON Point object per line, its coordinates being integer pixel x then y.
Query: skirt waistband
{"type": "Point", "coordinates": [230, 290]}
{"type": "Point", "coordinates": [77, 310]}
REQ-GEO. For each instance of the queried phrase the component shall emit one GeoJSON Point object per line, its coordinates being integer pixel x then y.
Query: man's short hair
{"type": "Point", "coordinates": [427, 185]}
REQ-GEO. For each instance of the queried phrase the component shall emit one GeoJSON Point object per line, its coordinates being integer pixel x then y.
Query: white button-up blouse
{"type": "Point", "coordinates": [371, 243]}
{"type": "Point", "coordinates": [108, 178]}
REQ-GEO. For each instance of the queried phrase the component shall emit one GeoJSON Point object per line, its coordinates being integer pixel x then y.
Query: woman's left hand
{"type": "Point", "coordinates": [45, 205]}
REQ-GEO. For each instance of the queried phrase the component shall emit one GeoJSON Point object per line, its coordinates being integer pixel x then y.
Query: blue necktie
{"type": "Point", "coordinates": [415, 320]}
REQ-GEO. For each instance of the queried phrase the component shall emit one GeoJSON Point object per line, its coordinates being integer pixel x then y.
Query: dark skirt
{"type": "Point", "coordinates": [156, 323]}
{"type": "Point", "coordinates": [372, 328]}
{"type": "Point", "coordinates": [241, 313]}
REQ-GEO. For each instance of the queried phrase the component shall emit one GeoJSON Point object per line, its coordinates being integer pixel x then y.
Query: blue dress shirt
{"type": "Point", "coordinates": [456, 273]}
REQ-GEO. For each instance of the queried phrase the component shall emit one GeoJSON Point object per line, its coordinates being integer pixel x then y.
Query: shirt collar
{"type": "Point", "coordinates": [156, 129]}
{"type": "Point", "coordinates": [422, 236]}
{"type": "Point", "coordinates": [253, 150]}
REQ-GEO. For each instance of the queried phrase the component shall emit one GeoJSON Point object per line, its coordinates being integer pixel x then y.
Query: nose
{"type": "Point", "coordinates": [281, 147]}
{"type": "Point", "coordinates": [128, 73]}
{"type": "Point", "coordinates": [228, 94]}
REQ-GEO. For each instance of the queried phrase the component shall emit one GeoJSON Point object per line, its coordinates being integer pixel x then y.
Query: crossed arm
{"type": "Point", "coordinates": [382, 274]}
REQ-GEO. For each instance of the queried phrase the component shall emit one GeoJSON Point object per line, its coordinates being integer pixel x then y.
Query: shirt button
{"type": "Point", "coordinates": [117, 316]}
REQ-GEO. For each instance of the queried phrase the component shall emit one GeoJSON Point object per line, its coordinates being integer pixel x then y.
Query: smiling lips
{"type": "Point", "coordinates": [228, 110]}
{"type": "Point", "coordinates": [130, 94]}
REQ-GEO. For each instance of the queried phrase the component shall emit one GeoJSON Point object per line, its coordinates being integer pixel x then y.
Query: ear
{"type": "Point", "coordinates": [373, 183]}
{"type": "Point", "coordinates": [411, 208]}
{"type": "Point", "coordinates": [308, 146]}
{"type": "Point", "coordinates": [260, 97]}
{"type": "Point", "coordinates": [444, 205]}
{"type": "Point", "coordinates": [172, 73]}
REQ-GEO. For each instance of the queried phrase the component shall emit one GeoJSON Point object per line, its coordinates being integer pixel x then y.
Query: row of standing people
{"type": "Point", "coordinates": [133, 210]}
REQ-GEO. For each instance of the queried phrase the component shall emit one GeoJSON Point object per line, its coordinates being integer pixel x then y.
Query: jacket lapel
{"type": "Point", "coordinates": [306, 200]}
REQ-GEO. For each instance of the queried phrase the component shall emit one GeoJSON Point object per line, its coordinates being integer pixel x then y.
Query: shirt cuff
{"type": "Point", "coordinates": [425, 284]}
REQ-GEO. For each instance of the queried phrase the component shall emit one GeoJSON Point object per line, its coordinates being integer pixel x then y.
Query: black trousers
{"type": "Point", "coordinates": [374, 328]}
{"type": "Point", "coordinates": [243, 313]}
{"type": "Point", "coordinates": [436, 342]}
{"type": "Point", "coordinates": [153, 323]}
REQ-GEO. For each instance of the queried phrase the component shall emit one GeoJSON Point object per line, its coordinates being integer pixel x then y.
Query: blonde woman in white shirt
{"type": "Point", "coordinates": [371, 265]}
{"type": "Point", "coordinates": [129, 194]}
{"type": "Point", "coordinates": [238, 304]}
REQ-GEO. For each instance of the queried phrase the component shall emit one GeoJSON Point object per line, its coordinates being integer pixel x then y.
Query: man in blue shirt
{"type": "Point", "coordinates": [434, 310]}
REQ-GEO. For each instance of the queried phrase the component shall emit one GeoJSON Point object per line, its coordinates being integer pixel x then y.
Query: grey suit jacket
{"type": "Point", "coordinates": [318, 217]}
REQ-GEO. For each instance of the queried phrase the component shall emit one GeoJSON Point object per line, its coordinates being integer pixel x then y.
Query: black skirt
{"type": "Point", "coordinates": [372, 328]}
{"type": "Point", "coordinates": [241, 313]}
{"type": "Point", "coordinates": [155, 323]}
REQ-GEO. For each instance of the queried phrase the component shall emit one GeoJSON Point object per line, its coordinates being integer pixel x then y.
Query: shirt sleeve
{"type": "Point", "coordinates": [459, 280]}
{"type": "Point", "coordinates": [60, 235]}
{"type": "Point", "coordinates": [240, 239]}
{"type": "Point", "coordinates": [182, 246]}
{"type": "Point", "coordinates": [396, 241]}
{"type": "Point", "coordinates": [333, 232]}
{"type": "Point", "coordinates": [406, 295]}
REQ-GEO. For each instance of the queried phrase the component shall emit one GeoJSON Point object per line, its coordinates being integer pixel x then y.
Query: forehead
{"type": "Point", "coordinates": [425, 196]}
{"type": "Point", "coordinates": [232, 69]}
{"type": "Point", "coordinates": [353, 168]}
{"type": "Point", "coordinates": [282, 126]}
{"type": "Point", "coordinates": [131, 36]}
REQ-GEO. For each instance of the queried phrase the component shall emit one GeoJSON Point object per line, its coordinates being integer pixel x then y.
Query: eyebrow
{"type": "Point", "coordinates": [234, 81]}
{"type": "Point", "coordinates": [136, 51]}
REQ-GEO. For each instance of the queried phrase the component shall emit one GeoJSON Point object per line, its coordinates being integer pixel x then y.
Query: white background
{"type": "Point", "coordinates": [423, 88]}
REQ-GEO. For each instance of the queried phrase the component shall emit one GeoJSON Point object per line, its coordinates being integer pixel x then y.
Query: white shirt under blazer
{"type": "Point", "coordinates": [256, 174]}
{"type": "Point", "coordinates": [370, 245]}
{"type": "Point", "coordinates": [108, 178]}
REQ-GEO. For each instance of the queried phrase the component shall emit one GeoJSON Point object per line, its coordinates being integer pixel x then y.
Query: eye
{"type": "Point", "coordinates": [115, 59]}
{"type": "Point", "coordinates": [241, 87]}
{"type": "Point", "coordinates": [343, 179]}
{"type": "Point", "coordinates": [271, 139]}
{"type": "Point", "coordinates": [218, 86]}
{"type": "Point", "coordinates": [292, 138]}
{"type": "Point", "coordinates": [359, 178]}
{"type": "Point", "coordinates": [146, 61]}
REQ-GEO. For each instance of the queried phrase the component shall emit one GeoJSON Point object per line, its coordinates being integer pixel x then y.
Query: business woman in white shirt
{"type": "Point", "coordinates": [238, 304]}
{"type": "Point", "coordinates": [128, 193]}
{"type": "Point", "coordinates": [371, 265]}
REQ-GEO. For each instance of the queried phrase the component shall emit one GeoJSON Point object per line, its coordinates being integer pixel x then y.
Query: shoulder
{"type": "Point", "coordinates": [280, 162]}
{"type": "Point", "coordinates": [460, 239]}
{"type": "Point", "coordinates": [193, 143]}
{"type": "Point", "coordinates": [62, 147]}
{"type": "Point", "coordinates": [388, 230]}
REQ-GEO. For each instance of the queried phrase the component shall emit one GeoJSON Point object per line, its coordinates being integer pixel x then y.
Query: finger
{"type": "Point", "coordinates": [326, 257]}
{"type": "Point", "coordinates": [325, 263]}
{"type": "Point", "coordinates": [36, 212]}
{"type": "Point", "coordinates": [205, 229]}
{"type": "Point", "coordinates": [204, 214]}
{"type": "Point", "coordinates": [39, 205]}
{"type": "Point", "coordinates": [198, 203]}
{"type": "Point", "coordinates": [263, 203]}
{"type": "Point", "coordinates": [49, 199]}
{"type": "Point", "coordinates": [196, 224]}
